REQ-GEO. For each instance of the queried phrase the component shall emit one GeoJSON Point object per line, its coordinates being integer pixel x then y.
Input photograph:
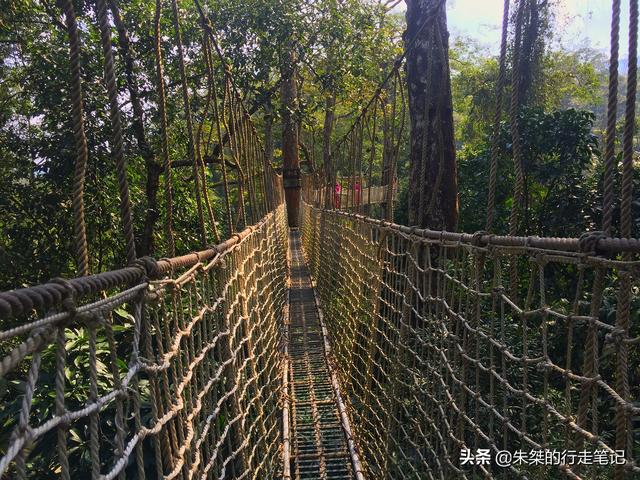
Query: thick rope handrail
{"type": "Point", "coordinates": [45, 296]}
{"type": "Point", "coordinates": [441, 355]}
{"type": "Point", "coordinates": [602, 244]}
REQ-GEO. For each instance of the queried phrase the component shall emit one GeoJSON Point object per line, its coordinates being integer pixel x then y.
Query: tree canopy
{"type": "Point", "coordinates": [343, 51]}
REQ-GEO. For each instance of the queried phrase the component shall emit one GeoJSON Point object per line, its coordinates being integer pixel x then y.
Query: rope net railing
{"type": "Point", "coordinates": [361, 171]}
{"type": "Point", "coordinates": [169, 368]}
{"type": "Point", "coordinates": [363, 166]}
{"type": "Point", "coordinates": [165, 369]}
{"type": "Point", "coordinates": [440, 354]}
{"type": "Point", "coordinates": [231, 181]}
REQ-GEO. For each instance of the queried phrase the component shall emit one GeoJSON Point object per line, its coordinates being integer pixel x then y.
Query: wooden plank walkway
{"type": "Point", "coordinates": [319, 443]}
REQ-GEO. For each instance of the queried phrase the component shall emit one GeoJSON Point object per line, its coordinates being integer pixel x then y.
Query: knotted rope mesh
{"type": "Point", "coordinates": [122, 376]}
{"type": "Point", "coordinates": [438, 356]}
{"type": "Point", "coordinates": [443, 341]}
{"type": "Point", "coordinates": [356, 155]}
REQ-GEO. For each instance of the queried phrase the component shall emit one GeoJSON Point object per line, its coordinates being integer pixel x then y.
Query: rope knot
{"type": "Point", "coordinates": [69, 304]}
{"type": "Point", "coordinates": [221, 261]}
{"type": "Point", "coordinates": [69, 299]}
{"type": "Point", "coordinates": [91, 319]}
{"type": "Point", "coordinates": [540, 258]}
{"type": "Point", "coordinates": [542, 366]}
{"type": "Point", "coordinates": [149, 268]}
{"type": "Point", "coordinates": [214, 248]}
{"type": "Point", "coordinates": [615, 337]}
{"type": "Point", "coordinates": [588, 241]}
{"type": "Point", "coordinates": [152, 295]}
{"type": "Point", "coordinates": [477, 237]}
{"type": "Point", "coordinates": [26, 432]}
{"type": "Point", "coordinates": [65, 423]}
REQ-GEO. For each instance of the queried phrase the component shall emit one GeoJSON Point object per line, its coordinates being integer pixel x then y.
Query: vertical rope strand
{"type": "Point", "coordinates": [495, 141]}
{"type": "Point", "coordinates": [116, 127]}
{"type": "Point", "coordinates": [219, 113]}
{"type": "Point", "coordinates": [61, 360]}
{"type": "Point", "coordinates": [201, 164]}
{"type": "Point", "coordinates": [629, 124]}
{"type": "Point", "coordinates": [515, 218]}
{"type": "Point", "coordinates": [189, 119]}
{"type": "Point", "coordinates": [164, 137]}
{"type": "Point", "coordinates": [80, 168]}
{"type": "Point", "coordinates": [610, 136]}
{"type": "Point", "coordinates": [624, 432]}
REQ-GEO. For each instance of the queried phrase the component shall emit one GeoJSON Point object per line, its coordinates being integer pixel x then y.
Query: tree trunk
{"type": "Point", "coordinates": [433, 185]}
{"type": "Point", "coordinates": [268, 131]}
{"type": "Point", "coordinates": [531, 49]}
{"type": "Point", "coordinates": [327, 130]}
{"type": "Point", "coordinates": [291, 160]}
{"type": "Point", "coordinates": [388, 173]}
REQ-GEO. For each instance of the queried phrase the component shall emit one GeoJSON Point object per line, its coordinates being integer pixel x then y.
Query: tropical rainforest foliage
{"type": "Point", "coordinates": [343, 50]}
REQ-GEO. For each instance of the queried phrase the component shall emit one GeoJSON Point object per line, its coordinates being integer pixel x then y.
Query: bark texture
{"type": "Point", "coordinates": [327, 131]}
{"type": "Point", "coordinates": [290, 156]}
{"type": "Point", "coordinates": [268, 132]}
{"type": "Point", "coordinates": [534, 24]}
{"type": "Point", "coordinates": [433, 186]}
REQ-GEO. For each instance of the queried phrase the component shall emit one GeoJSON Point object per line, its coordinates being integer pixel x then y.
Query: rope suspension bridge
{"type": "Point", "coordinates": [348, 348]}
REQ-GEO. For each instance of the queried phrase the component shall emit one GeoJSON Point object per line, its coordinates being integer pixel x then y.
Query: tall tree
{"type": "Point", "coordinates": [433, 187]}
{"type": "Point", "coordinates": [290, 154]}
{"type": "Point", "coordinates": [535, 27]}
